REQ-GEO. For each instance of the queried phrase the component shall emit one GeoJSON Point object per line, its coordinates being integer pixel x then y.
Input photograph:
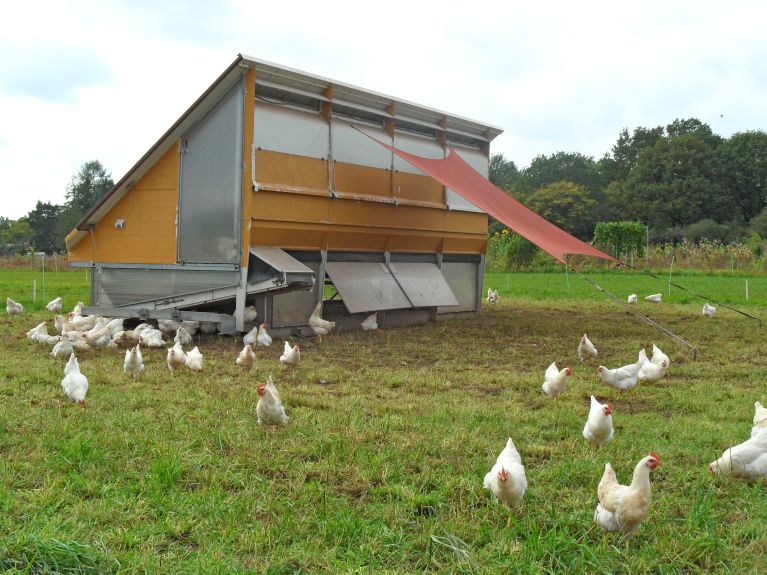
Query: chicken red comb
{"type": "Point", "coordinates": [655, 456]}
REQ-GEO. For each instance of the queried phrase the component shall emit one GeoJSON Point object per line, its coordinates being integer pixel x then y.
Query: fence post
{"type": "Point", "coordinates": [746, 290]}
{"type": "Point", "coordinates": [34, 291]}
{"type": "Point", "coordinates": [670, 268]}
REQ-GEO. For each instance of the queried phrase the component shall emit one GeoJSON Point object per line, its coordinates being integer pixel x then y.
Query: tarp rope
{"type": "Point", "coordinates": [641, 316]}
{"type": "Point", "coordinates": [696, 294]}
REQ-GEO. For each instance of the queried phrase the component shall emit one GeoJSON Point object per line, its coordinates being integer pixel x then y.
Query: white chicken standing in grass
{"type": "Point", "coordinates": [745, 461]}
{"type": "Point", "coordinates": [151, 338]}
{"type": "Point", "coordinates": [320, 326]}
{"type": "Point", "coordinates": [247, 357]}
{"type": "Point", "coordinates": [632, 299]}
{"type": "Point", "coordinates": [74, 384]}
{"type": "Point", "coordinates": [599, 425]}
{"type": "Point", "coordinates": [658, 356]}
{"type": "Point", "coordinates": [651, 372]}
{"type": "Point", "coordinates": [654, 298]}
{"type": "Point", "coordinates": [507, 479]}
{"type": "Point", "coordinates": [624, 507]}
{"type": "Point", "coordinates": [54, 305]}
{"type": "Point", "coordinates": [63, 347]}
{"type": "Point", "coordinates": [586, 349]}
{"type": "Point", "coordinates": [291, 355]}
{"type": "Point", "coordinates": [176, 358]}
{"type": "Point", "coordinates": [263, 338]}
{"type": "Point", "coordinates": [134, 362]}
{"type": "Point", "coordinates": [708, 310]}
{"type": "Point", "coordinates": [269, 409]}
{"type": "Point", "coordinates": [183, 336]}
{"type": "Point", "coordinates": [370, 323]}
{"type": "Point", "coordinates": [13, 307]}
{"type": "Point", "coordinates": [41, 327]}
{"type": "Point", "coordinates": [622, 378]}
{"type": "Point", "coordinates": [555, 380]}
{"type": "Point", "coordinates": [194, 359]}
{"type": "Point", "coordinates": [250, 338]}
{"type": "Point", "coordinates": [760, 418]}
{"type": "Point", "coordinates": [492, 296]}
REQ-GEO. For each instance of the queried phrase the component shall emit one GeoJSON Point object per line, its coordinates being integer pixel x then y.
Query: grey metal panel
{"type": "Point", "coordinates": [366, 286]}
{"type": "Point", "coordinates": [352, 147]}
{"type": "Point", "coordinates": [124, 286]}
{"type": "Point", "coordinates": [477, 160]}
{"type": "Point", "coordinates": [294, 308]}
{"type": "Point", "coordinates": [462, 279]}
{"type": "Point", "coordinates": [423, 283]}
{"type": "Point", "coordinates": [290, 131]}
{"type": "Point", "coordinates": [279, 260]}
{"type": "Point", "coordinates": [210, 184]}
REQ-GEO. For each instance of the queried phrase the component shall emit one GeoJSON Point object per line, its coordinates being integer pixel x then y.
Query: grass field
{"type": "Point", "coordinates": [380, 468]}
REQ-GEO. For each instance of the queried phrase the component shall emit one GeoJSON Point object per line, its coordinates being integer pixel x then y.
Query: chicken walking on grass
{"type": "Point", "coordinates": [586, 349]}
{"type": "Point", "coordinates": [54, 305]}
{"type": "Point", "coordinates": [507, 480]}
{"type": "Point", "coordinates": [555, 380]}
{"type": "Point", "coordinates": [247, 357]}
{"type": "Point", "coordinates": [134, 362]}
{"type": "Point", "coordinates": [623, 508]}
{"type": "Point", "coordinates": [13, 307]}
{"type": "Point", "coordinates": [74, 384]}
{"type": "Point", "coordinates": [176, 358]}
{"type": "Point", "coordinates": [263, 339]}
{"type": "Point", "coordinates": [370, 323]}
{"type": "Point", "coordinates": [599, 425]}
{"type": "Point", "coordinates": [708, 310]}
{"type": "Point", "coordinates": [320, 326]}
{"type": "Point", "coordinates": [194, 359]}
{"type": "Point", "coordinates": [269, 409]}
{"type": "Point", "coordinates": [291, 355]}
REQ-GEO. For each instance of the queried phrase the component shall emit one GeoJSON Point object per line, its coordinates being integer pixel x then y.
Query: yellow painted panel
{"type": "Point", "coordinates": [356, 179]}
{"type": "Point", "coordinates": [291, 170]}
{"type": "Point", "coordinates": [149, 211]}
{"type": "Point", "coordinates": [417, 187]}
{"type": "Point", "coordinates": [247, 176]}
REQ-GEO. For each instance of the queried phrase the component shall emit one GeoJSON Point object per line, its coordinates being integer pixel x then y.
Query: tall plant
{"type": "Point", "coordinates": [621, 238]}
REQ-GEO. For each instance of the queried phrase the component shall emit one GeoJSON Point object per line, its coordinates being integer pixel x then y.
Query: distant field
{"type": "Point", "coordinates": [380, 467]}
{"type": "Point", "coordinates": [72, 285]}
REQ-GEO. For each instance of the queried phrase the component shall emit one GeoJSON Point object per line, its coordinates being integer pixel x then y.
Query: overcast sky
{"type": "Point", "coordinates": [83, 80]}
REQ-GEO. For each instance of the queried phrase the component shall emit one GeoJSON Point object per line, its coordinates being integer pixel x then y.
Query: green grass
{"type": "Point", "coordinates": [391, 432]}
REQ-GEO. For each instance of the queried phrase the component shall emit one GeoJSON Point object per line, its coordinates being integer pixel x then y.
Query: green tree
{"type": "Point", "coordinates": [625, 153]}
{"type": "Point", "coordinates": [568, 205]}
{"type": "Point", "coordinates": [43, 220]}
{"type": "Point", "coordinates": [502, 172]}
{"type": "Point", "coordinates": [572, 167]}
{"type": "Point", "coordinates": [744, 171]}
{"type": "Point", "coordinates": [16, 238]}
{"type": "Point", "coordinates": [90, 183]}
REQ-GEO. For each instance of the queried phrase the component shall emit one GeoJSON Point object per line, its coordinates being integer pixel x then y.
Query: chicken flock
{"type": "Point", "coordinates": [620, 508]}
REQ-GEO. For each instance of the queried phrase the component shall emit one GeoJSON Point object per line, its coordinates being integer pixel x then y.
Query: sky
{"type": "Point", "coordinates": [102, 80]}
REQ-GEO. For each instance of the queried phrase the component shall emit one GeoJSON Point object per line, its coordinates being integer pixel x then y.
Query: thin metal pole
{"type": "Point", "coordinates": [746, 290]}
{"type": "Point", "coordinates": [34, 291]}
{"type": "Point", "coordinates": [670, 268]}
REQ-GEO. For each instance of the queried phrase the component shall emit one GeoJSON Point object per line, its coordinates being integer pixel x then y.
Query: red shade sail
{"type": "Point", "coordinates": [460, 177]}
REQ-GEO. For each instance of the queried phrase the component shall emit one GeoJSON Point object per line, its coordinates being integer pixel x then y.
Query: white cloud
{"type": "Point", "coordinates": [103, 80]}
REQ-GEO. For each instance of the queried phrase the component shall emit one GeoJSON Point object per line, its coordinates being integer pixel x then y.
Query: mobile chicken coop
{"type": "Point", "coordinates": [270, 188]}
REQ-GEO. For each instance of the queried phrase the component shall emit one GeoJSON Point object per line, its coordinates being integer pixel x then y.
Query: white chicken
{"type": "Point", "coordinates": [182, 336]}
{"type": "Point", "coordinates": [54, 305]}
{"type": "Point", "coordinates": [77, 340]}
{"type": "Point", "coordinates": [708, 310]}
{"type": "Point", "coordinates": [599, 425]}
{"type": "Point", "coordinates": [269, 409]}
{"type": "Point", "coordinates": [263, 338]}
{"type": "Point", "coordinates": [77, 310]}
{"type": "Point", "coordinates": [370, 323]}
{"type": "Point", "coordinates": [134, 362]}
{"type": "Point", "coordinates": [625, 507]}
{"type": "Point", "coordinates": [586, 349]}
{"type": "Point", "coordinates": [651, 372]}
{"type": "Point", "coordinates": [208, 327]}
{"type": "Point", "coordinates": [555, 380]}
{"type": "Point", "coordinates": [13, 307]}
{"type": "Point", "coordinates": [46, 339]}
{"type": "Point", "coordinates": [654, 298]}
{"type": "Point", "coordinates": [74, 384]}
{"type": "Point", "coordinates": [632, 299]}
{"type": "Point", "coordinates": [760, 418]}
{"type": "Point", "coordinates": [41, 327]}
{"type": "Point", "coordinates": [250, 338]}
{"type": "Point", "coordinates": [620, 378]}
{"type": "Point", "coordinates": [63, 347]}
{"type": "Point", "coordinates": [492, 296]}
{"type": "Point", "coordinates": [658, 356]}
{"type": "Point", "coordinates": [291, 355]}
{"type": "Point", "coordinates": [745, 461]}
{"type": "Point", "coordinates": [58, 322]}
{"type": "Point", "coordinates": [250, 315]}
{"type": "Point", "coordinates": [194, 359]}
{"type": "Point", "coordinates": [176, 358]}
{"type": "Point", "coordinates": [507, 479]}
{"type": "Point", "coordinates": [320, 326]}
{"type": "Point", "coordinates": [151, 338]}
{"type": "Point", "coordinates": [247, 357]}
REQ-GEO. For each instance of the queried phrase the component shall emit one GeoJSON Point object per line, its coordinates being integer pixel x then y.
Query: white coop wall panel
{"type": "Point", "coordinates": [350, 146]}
{"type": "Point", "coordinates": [291, 131]}
{"type": "Point", "coordinates": [479, 162]}
{"type": "Point", "coordinates": [462, 279]}
{"type": "Point", "coordinates": [424, 147]}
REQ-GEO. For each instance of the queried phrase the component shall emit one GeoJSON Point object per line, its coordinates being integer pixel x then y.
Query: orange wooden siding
{"type": "Point", "coordinates": [149, 211]}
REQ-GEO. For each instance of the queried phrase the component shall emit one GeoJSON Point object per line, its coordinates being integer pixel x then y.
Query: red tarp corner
{"type": "Point", "coordinates": [460, 177]}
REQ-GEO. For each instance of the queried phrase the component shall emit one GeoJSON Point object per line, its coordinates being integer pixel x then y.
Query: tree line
{"type": "Point", "coordinates": [681, 180]}
{"type": "Point", "coordinates": [44, 228]}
